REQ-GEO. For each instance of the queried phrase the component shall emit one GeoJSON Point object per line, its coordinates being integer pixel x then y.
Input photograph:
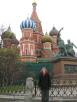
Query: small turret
{"type": "Point", "coordinates": [54, 31]}
{"type": "Point", "coordinates": [54, 34]}
{"type": "Point", "coordinates": [47, 46]}
{"type": "Point", "coordinates": [47, 38]}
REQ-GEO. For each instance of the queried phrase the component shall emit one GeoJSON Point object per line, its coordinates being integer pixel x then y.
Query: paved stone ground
{"type": "Point", "coordinates": [18, 98]}
{"type": "Point", "coordinates": [25, 98]}
{"type": "Point", "coordinates": [13, 98]}
{"type": "Point", "coordinates": [3, 100]}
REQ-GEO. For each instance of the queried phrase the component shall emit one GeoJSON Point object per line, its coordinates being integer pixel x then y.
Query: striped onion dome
{"type": "Point", "coordinates": [28, 23]}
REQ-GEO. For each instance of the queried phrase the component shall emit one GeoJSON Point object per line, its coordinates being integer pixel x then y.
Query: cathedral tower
{"type": "Point", "coordinates": [47, 46]}
{"type": "Point", "coordinates": [35, 17]}
{"type": "Point", "coordinates": [38, 33]}
{"type": "Point", "coordinates": [27, 44]}
{"type": "Point", "coordinates": [54, 34]}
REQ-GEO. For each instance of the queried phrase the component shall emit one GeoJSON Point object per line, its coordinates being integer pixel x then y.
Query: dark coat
{"type": "Point", "coordinates": [44, 81]}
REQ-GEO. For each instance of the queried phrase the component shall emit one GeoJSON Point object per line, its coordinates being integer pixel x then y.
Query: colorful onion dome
{"type": "Point", "coordinates": [54, 31]}
{"type": "Point", "coordinates": [28, 23]}
{"type": "Point", "coordinates": [47, 38]}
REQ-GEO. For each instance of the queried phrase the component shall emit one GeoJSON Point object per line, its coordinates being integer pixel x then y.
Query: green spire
{"type": "Point", "coordinates": [9, 29]}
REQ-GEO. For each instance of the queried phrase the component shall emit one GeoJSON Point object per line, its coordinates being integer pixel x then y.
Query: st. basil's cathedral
{"type": "Point", "coordinates": [34, 44]}
{"type": "Point", "coordinates": [45, 50]}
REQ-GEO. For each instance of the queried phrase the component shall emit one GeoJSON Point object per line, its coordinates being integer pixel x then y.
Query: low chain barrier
{"type": "Point", "coordinates": [19, 89]}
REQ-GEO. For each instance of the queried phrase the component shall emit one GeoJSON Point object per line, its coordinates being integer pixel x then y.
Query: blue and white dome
{"type": "Point", "coordinates": [28, 23]}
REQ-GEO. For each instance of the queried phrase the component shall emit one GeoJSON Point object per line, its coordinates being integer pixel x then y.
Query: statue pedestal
{"type": "Point", "coordinates": [65, 68]}
{"type": "Point", "coordinates": [29, 89]}
{"type": "Point", "coordinates": [28, 96]}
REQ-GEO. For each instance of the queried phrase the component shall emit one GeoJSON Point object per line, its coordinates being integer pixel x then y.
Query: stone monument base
{"type": "Point", "coordinates": [65, 68]}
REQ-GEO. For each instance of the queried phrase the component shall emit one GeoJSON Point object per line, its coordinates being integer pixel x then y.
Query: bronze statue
{"type": "Point", "coordinates": [65, 49]}
{"type": "Point", "coordinates": [69, 47]}
{"type": "Point", "coordinates": [61, 45]}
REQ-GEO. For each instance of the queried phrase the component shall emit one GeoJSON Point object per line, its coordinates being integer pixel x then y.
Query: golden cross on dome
{"type": "Point", "coordinates": [34, 1]}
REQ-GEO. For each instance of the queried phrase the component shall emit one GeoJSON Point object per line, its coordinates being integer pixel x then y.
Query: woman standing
{"type": "Point", "coordinates": [44, 84]}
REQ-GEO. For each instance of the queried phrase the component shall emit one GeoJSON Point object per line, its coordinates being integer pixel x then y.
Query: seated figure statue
{"type": "Point", "coordinates": [69, 47]}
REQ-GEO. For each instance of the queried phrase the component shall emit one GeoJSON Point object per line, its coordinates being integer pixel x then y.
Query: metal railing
{"type": "Point", "coordinates": [61, 89]}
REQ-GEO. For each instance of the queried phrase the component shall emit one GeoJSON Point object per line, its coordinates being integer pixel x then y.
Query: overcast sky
{"type": "Point", "coordinates": [58, 13]}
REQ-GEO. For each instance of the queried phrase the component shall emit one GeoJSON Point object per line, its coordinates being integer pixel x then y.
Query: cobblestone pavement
{"type": "Point", "coordinates": [13, 98]}
{"type": "Point", "coordinates": [2, 100]}
{"type": "Point", "coordinates": [25, 98]}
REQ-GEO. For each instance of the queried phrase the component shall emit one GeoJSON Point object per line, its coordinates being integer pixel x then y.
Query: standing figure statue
{"type": "Point", "coordinates": [69, 47]}
{"type": "Point", "coordinates": [44, 84]}
{"type": "Point", "coordinates": [61, 46]}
